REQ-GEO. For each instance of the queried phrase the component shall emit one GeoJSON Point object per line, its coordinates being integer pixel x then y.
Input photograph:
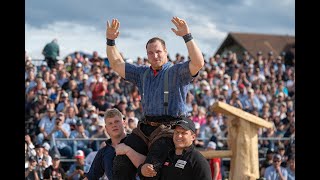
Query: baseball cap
{"type": "Point", "coordinates": [64, 94]}
{"type": "Point", "coordinates": [277, 156]}
{"type": "Point", "coordinates": [79, 122]}
{"type": "Point", "coordinates": [46, 146]}
{"type": "Point", "coordinates": [270, 151]}
{"type": "Point", "coordinates": [101, 122]}
{"type": "Point", "coordinates": [211, 145]}
{"type": "Point", "coordinates": [56, 156]}
{"type": "Point", "coordinates": [79, 65]}
{"type": "Point", "coordinates": [186, 124]}
{"type": "Point", "coordinates": [44, 64]}
{"type": "Point", "coordinates": [60, 62]}
{"type": "Point", "coordinates": [85, 76]}
{"type": "Point", "coordinates": [83, 93]}
{"type": "Point", "coordinates": [94, 116]}
{"type": "Point", "coordinates": [79, 154]}
{"type": "Point", "coordinates": [91, 108]}
{"type": "Point", "coordinates": [32, 158]}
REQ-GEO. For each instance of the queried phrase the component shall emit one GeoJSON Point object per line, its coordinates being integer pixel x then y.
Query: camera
{"type": "Point", "coordinates": [79, 167]}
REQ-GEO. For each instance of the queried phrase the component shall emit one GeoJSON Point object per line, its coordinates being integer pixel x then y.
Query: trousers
{"type": "Point", "coordinates": [151, 141]}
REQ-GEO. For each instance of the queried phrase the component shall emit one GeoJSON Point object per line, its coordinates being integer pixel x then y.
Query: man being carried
{"type": "Point", "coordinates": [162, 106]}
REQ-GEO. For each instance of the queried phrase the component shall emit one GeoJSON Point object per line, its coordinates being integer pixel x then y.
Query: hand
{"type": "Point", "coordinates": [122, 149]}
{"type": "Point", "coordinates": [113, 29]}
{"type": "Point", "coordinates": [182, 27]}
{"type": "Point", "coordinates": [147, 170]}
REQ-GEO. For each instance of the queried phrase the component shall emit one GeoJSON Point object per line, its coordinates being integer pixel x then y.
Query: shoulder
{"type": "Point", "coordinates": [197, 157]}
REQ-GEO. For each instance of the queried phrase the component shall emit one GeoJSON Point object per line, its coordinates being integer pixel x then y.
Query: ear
{"type": "Point", "coordinates": [193, 136]}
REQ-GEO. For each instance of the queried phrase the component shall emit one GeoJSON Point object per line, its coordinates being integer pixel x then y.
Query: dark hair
{"type": "Point", "coordinates": [154, 39]}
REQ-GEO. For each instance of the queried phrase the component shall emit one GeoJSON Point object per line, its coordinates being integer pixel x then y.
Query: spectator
{"type": "Point", "coordinates": [267, 162]}
{"type": "Point", "coordinates": [78, 169]}
{"type": "Point", "coordinates": [30, 172]}
{"type": "Point", "coordinates": [54, 171]}
{"type": "Point", "coordinates": [215, 163]}
{"type": "Point", "coordinates": [51, 51]}
{"type": "Point", "coordinates": [291, 168]}
{"type": "Point", "coordinates": [61, 130]}
{"type": "Point", "coordinates": [80, 132]}
{"type": "Point", "coordinates": [99, 133]}
{"type": "Point", "coordinates": [275, 171]}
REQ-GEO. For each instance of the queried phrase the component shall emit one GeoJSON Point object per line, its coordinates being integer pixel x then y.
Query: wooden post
{"type": "Point", "coordinates": [242, 141]}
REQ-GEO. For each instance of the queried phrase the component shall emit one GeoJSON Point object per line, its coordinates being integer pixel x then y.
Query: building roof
{"type": "Point", "coordinates": [253, 43]}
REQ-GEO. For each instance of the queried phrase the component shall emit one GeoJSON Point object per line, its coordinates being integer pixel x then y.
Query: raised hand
{"type": "Point", "coordinates": [182, 26]}
{"type": "Point", "coordinates": [113, 29]}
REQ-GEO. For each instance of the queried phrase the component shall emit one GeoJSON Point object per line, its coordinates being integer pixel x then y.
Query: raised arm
{"type": "Point", "coordinates": [114, 57]}
{"type": "Point", "coordinates": [197, 61]}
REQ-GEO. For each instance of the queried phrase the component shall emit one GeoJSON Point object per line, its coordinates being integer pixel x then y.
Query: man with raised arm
{"type": "Point", "coordinates": [163, 99]}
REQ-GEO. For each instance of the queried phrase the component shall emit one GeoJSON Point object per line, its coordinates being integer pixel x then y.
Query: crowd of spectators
{"type": "Point", "coordinates": [68, 100]}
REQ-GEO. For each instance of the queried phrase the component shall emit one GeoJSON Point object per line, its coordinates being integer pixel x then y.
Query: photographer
{"type": "Point", "coordinates": [79, 168]}
{"type": "Point", "coordinates": [61, 130]}
{"type": "Point", "coordinates": [31, 171]}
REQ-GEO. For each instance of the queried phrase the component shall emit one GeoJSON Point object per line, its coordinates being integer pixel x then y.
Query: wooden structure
{"type": "Point", "coordinates": [252, 43]}
{"type": "Point", "coordinates": [242, 141]}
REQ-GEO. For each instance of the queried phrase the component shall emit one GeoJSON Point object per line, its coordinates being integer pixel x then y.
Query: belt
{"type": "Point", "coordinates": [160, 123]}
{"type": "Point", "coordinates": [153, 123]}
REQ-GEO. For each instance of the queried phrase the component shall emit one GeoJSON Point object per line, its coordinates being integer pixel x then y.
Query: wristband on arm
{"type": "Point", "coordinates": [111, 42]}
{"type": "Point", "coordinates": [188, 37]}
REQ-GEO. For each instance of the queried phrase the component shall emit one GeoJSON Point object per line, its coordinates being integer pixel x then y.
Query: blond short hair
{"type": "Point", "coordinates": [110, 113]}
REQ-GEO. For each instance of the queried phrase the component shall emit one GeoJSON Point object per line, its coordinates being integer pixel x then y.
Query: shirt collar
{"type": "Point", "coordinates": [109, 141]}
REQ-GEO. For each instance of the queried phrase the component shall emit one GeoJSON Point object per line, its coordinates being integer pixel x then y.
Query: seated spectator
{"type": "Point", "coordinates": [291, 168]}
{"type": "Point", "coordinates": [215, 163]}
{"type": "Point", "coordinates": [80, 132]}
{"type": "Point", "coordinates": [275, 171]}
{"type": "Point", "coordinates": [99, 133]}
{"type": "Point", "coordinates": [54, 171]}
{"type": "Point", "coordinates": [78, 169]}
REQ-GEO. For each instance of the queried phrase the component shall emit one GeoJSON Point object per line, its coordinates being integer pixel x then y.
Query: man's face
{"type": "Point", "coordinates": [276, 162]}
{"type": "Point", "coordinates": [157, 55]}
{"type": "Point", "coordinates": [114, 126]}
{"type": "Point", "coordinates": [182, 138]}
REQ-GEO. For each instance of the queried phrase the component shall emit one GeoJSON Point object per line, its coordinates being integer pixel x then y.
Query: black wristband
{"type": "Point", "coordinates": [111, 42]}
{"type": "Point", "coordinates": [187, 37]}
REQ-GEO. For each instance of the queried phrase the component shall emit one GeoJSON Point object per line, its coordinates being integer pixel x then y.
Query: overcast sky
{"type": "Point", "coordinates": [79, 25]}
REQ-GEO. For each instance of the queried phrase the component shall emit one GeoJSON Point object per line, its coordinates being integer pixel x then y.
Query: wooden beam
{"type": "Point", "coordinates": [230, 110]}
{"type": "Point", "coordinates": [216, 153]}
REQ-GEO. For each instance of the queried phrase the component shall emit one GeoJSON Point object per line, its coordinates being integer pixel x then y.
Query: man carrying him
{"type": "Point", "coordinates": [183, 162]}
{"type": "Point", "coordinates": [103, 161]}
{"type": "Point", "coordinates": [163, 99]}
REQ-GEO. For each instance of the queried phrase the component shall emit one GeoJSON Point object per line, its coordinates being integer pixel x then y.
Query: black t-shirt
{"type": "Point", "coordinates": [190, 165]}
{"type": "Point", "coordinates": [50, 171]}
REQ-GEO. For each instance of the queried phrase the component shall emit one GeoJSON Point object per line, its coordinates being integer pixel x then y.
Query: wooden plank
{"type": "Point", "coordinates": [230, 110]}
{"type": "Point", "coordinates": [216, 153]}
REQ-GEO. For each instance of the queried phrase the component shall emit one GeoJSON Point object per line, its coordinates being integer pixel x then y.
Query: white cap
{"type": "Point", "coordinates": [46, 146]}
{"type": "Point", "coordinates": [197, 125]}
{"type": "Point", "coordinates": [60, 62]}
{"type": "Point", "coordinates": [211, 145]}
{"type": "Point", "coordinates": [44, 64]}
{"type": "Point", "coordinates": [79, 65]}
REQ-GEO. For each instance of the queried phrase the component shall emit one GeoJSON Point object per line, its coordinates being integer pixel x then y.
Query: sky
{"type": "Point", "coordinates": [80, 25]}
